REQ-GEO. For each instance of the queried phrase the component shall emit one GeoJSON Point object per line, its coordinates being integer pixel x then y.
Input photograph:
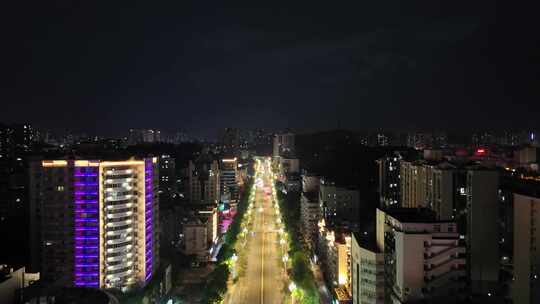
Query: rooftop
{"type": "Point", "coordinates": [414, 215]}
{"type": "Point", "coordinates": [311, 196]}
{"type": "Point", "coordinates": [522, 186]}
{"type": "Point", "coordinates": [366, 242]}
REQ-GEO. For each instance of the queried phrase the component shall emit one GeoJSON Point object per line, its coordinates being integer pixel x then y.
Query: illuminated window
{"type": "Point", "coordinates": [60, 188]}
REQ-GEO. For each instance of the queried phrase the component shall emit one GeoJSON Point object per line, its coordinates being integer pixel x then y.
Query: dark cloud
{"type": "Point", "coordinates": [107, 66]}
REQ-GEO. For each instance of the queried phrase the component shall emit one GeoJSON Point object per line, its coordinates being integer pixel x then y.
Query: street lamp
{"type": "Point", "coordinates": [234, 258]}
{"type": "Point", "coordinates": [292, 287]}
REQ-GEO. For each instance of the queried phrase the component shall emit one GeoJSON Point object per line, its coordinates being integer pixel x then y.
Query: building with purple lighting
{"type": "Point", "coordinates": [95, 222]}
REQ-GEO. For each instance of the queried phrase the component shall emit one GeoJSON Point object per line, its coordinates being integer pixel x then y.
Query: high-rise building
{"type": "Point", "coordinates": [339, 204]}
{"type": "Point", "coordinates": [288, 165]}
{"type": "Point", "coordinates": [283, 145]}
{"type": "Point", "coordinates": [367, 269]}
{"type": "Point", "coordinates": [389, 181]}
{"type": "Point", "coordinates": [5, 141]}
{"type": "Point", "coordinates": [167, 173]}
{"type": "Point", "coordinates": [204, 180]}
{"type": "Point", "coordinates": [527, 157]}
{"type": "Point", "coordinates": [413, 181]}
{"type": "Point", "coordinates": [311, 183]}
{"type": "Point", "coordinates": [138, 136]}
{"type": "Point", "coordinates": [228, 178]}
{"type": "Point", "coordinates": [95, 222]}
{"type": "Point", "coordinates": [526, 259]}
{"type": "Point", "coordinates": [423, 258]}
{"type": "Point", "coordinates": [482, 233]}
{"type": "Point", "coordinates": [310, 214]}
{"type": "Point", "coordinates": [383, 139]}
{"type": "Point", "coordinates": [230, 138]}
{"type": "Point", "coordinates": [16, 138]}
{"type": "Point", "coordinates": [437, 185]}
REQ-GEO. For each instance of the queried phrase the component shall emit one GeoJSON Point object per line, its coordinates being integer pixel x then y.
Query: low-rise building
{"type": "Point", "coordinates": [200, 231]}
{"type": "Point", "coordinates": [334, 248]}
{"type": "Point", "coordinates": [195, 239]}
{"type": "Point", "coordinates": [209, 215]}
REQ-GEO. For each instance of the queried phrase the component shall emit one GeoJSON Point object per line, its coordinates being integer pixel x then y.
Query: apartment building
{"type": "Point", "coordinates": [424, 258]}
{"type": "Point", "coordinates": [95, 222]}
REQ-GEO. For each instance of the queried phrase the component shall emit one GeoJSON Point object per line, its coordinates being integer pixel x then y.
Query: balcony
{"type": "Point", "coordinates": [443, 267]}
{"type": "Point", "coordinates": [127, 171]}
{"type": "Point", "coordinates": [438, 257]}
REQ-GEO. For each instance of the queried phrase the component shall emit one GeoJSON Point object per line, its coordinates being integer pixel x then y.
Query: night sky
{"type": "Point", "coordinates": [106, 66]}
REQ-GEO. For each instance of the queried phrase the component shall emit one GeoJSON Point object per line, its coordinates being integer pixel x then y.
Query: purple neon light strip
{"type": "Point", "coordinates": [86, 193]}
{"type": "Point", "coordinates": [86, 229]}
{"type": "Point", "coordinates": [86, 283]}
{"type": "Point", "coordinates": [82, 220]}
{"type": "Point", "coordinates": [87, 238]}
{"type": "Point", "coordinates": [87, 256]}
{"type": "Point", "coordinates": [148, 213]}
{"type": "Point", "coordinates": [86, 232]}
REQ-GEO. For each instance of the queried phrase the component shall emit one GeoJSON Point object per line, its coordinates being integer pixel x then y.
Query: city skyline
{"type": "Point", "coordinates": [307, 153]}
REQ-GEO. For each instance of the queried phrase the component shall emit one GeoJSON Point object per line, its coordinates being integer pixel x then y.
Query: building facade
{"type": "Point", "coordinates": [283, 144]}
{"type": "Point", "coordinates": [311, 183]}
{"type": "Point", "coordinates": [334, 248]}
{"type": "Point", "coordinates": [439, 186]}
{"type": "Point", "coordinates": [310, 214]}
{"type": "Point", "coordinates": [526, 284]}
{"type": "Point", "coordinates": [167, 173]}
{"type": "Point", "coordinates": [139, 136]}
{"type": "Point", "coordinates": [204, 181]}
{"type": "Point", "coordinates": [229, 178]}
{"type": "Point", "coordinates": [338, 204]}
{"type": "Point", "coordinates": [424, 259]}
{"type": "Point", "coordinates": [482, 224]}
{"type": "Point", "coordinates": [389, 181]}
{"type": "Point", "coordinates": [367, 269]}
{"type": "Point", "coordinates": [12, 281]}
{"type": "Point", "coordinates": [96, 222]}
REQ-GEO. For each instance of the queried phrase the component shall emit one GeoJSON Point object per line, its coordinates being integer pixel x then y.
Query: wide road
{"type": "Point", "coordinates": [262, 282]}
